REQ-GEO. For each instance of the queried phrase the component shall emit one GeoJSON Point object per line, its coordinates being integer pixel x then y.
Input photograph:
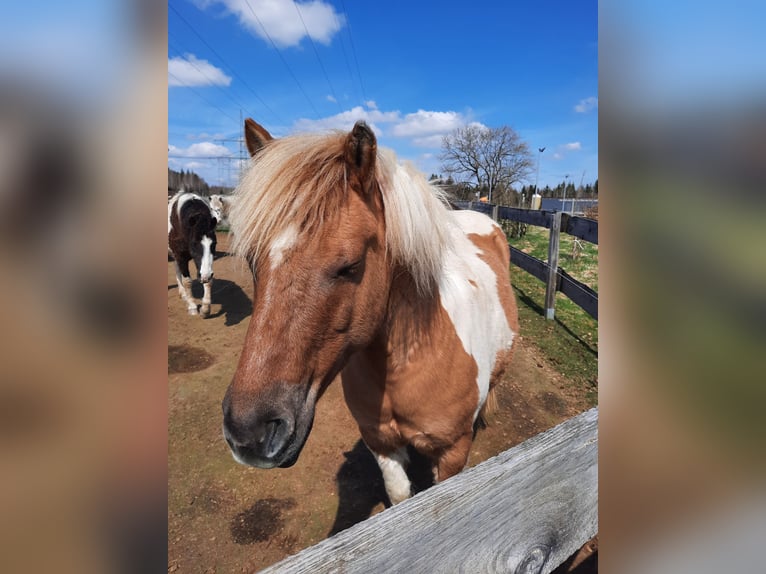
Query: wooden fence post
{"type": "Point", "coordinates": [553, 265]}
{"type": "Point", "coordinates": [495, 209]}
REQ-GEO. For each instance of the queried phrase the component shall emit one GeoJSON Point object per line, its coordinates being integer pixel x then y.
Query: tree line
{"type": "Point", "coordinates": [513, 196]}
{"type": "Point", "coordinates": [190, 181]}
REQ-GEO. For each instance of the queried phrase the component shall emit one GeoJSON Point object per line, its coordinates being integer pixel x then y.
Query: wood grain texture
{"type": "Point", "coordinates": [523, 511]}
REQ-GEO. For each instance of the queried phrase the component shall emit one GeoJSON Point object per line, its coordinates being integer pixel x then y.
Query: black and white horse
{"type": "Point", "coordinates": [191, 236]}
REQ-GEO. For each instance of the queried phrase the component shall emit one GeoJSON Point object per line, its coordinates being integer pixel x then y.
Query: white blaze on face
{"type": "Point", "coordinates": [468, 292]}
{"type": "Point", "coordinates": [207, 259]}
{"type": "Point", "coordinates": [283, 243]}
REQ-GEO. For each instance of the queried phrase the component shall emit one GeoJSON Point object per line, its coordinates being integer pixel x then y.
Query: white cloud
{"type": "Point", "coordinates": [423, 129]}
{"type": "Point", "coordinates": [205, 136]}
{"type": "Point", "coordinates": [346, 120]}
{"type": "Point", "coordinates": [433, 141]}
{"type": "Point", "coordinates": [331, 98]}
{"type": "Point", "coordinates": [371, 104]}
{"type": "Point", "coordinates": [558, 156]}
{"type": "Point", "coordinates": [190, 71]}
{"type": "Point", "coordinates": [280, 20]}
{"type": "Point", "coordinates": [423, 123]}
{"type": "Point", "coordinates": [573, 146]}
{"type": "Point", "coordinates": [201, 149]}
{"type": "Point", "coordinates": [586, 105]}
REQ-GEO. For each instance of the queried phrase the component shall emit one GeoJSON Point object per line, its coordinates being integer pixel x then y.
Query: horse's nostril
{"type": "Point", "coordinates": [276, 433]}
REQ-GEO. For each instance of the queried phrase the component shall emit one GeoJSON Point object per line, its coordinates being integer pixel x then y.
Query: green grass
{"type": "Point", "coordinates": [570, 341]}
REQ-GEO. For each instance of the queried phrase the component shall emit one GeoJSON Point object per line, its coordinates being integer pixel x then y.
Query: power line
{"type": "Point", "coordinates": [281, 56]}
{"type": "Point", "coordinates": [231, 69]}
{"type": "Point", "coordinates": [353, 50]}
{"type": "Point", "coordinates": [181, 156]}
{"type": "Point", "coordinates": [348, 69]}
{"type": "Point", "coordinates": [316, 52]}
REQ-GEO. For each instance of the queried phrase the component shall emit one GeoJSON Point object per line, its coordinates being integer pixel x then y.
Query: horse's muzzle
{"type": "Point", "coordinates": [265, 445]}
{"type": "Point", "coordinates": [266, 435]}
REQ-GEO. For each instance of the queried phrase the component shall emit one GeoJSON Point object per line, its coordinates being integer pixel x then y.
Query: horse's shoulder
{"type": "Point", "coordinates": [474, 223]}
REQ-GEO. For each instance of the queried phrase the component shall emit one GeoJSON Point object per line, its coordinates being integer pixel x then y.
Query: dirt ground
{"type": "Point", "coordinates": [224, 517]}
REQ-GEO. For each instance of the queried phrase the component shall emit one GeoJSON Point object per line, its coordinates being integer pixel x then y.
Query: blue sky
{"type": "Point", "coordinates": [412, 70]}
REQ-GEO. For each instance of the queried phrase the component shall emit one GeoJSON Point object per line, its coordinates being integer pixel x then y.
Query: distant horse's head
{"type": "Point", "coordinates": [219, 204]}
{"type": "Point", "coordinates": [309, 218]}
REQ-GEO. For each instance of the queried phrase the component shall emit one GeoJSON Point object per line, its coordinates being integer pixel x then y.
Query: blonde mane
{"type": "Point", "coordinates": [302, 180]}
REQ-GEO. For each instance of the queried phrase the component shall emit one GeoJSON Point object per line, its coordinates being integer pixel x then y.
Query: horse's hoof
{"type": "Point", "coordinates": [193, 312]}
{"type": "Point", "coordinates": [205, 311]}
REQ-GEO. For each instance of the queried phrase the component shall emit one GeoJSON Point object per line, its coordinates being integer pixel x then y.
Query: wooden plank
{"type": "Point", "coordinates": [578, 292]}
{"type": "Point", "coordinates": [530, 264]}
{"type": "Point", "coordinates": [530, 216]}
{"type": "Point", "coordinates": [585, 297]}
{"type": "Point", "coordinates": [481, 207]}
{"type": "Point", "coordinates": [581, 227]}
{"type": "Point", "coordinates": [526, 510]}
{"type": "Point", "coordinates": [553, 264]}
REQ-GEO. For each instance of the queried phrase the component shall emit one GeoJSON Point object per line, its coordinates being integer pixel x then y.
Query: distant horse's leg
{"type": "Point", "coordinates": [393, 466]}
{"type": "Point", "coordinates": [205, 272]}
{"type": "Point", "coordinates": [205, 309]}
{"type": "Point", "coordinates": [453, 460]}
{"type": "Point", "coordinates": [184, 286]}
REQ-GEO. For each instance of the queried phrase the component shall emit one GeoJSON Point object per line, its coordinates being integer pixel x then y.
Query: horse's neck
{"type": "Point", "coordinates": [410, 318]}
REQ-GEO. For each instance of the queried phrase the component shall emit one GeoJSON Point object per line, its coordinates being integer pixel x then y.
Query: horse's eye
{"type": "Point", "coordinates": [348, 271]}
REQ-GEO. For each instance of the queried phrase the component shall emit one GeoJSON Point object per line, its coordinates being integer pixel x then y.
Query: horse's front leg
{"type": "Point", "coordinates": [393, 466]}
{"type": "Point", "coordinates": [205, 270]}
{"type": "Point", "coordinates": [184, 286]}
{"type": "Point", "coordinates": [207, 286]}
{"type": "Point", "coordinates": [453, 459]}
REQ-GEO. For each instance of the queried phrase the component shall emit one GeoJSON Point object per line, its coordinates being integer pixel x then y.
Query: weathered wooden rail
{"type": "Point", "coordinates": [555, 278]}
{"type": "Point", "coordinates": [524, 511]}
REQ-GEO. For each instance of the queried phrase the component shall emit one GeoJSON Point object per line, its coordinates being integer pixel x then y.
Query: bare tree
{"type": "Point", "coordinates": [492, 157]}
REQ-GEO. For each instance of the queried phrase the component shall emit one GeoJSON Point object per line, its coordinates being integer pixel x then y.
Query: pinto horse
{"type": "Point", "coordinates": [191, 236]}
{"type": "Point", "coordinates": [220, 205]}
{"type": "Point", "coordinates": [361, 269]}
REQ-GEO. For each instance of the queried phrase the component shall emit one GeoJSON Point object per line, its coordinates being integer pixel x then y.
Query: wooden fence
{"type": "Point", "coordinates": [525, 511]}
{"type": "Point", "coordinates": [555, 278]}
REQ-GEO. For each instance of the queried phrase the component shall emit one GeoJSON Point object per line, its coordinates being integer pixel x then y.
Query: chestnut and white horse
{"type": "Point", "coordinates": [360, 268]}
{"type": "Point", "coordinates": [191, 236]}
{"type": "Point", "coordinates": [221, 205]}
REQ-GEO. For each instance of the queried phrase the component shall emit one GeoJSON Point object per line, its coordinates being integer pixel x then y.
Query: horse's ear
{"type": "Point", "coordinates": [256, 136]}
{"type": "Point", "coordinates": [361, 150]}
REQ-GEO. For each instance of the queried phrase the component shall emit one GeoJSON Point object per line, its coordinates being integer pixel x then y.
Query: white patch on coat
{"type": "Point", "coordinates": [171, 203]}
{"type": "Point", "coordinates": [393, 467]}
{"type": "Point", "coordinates": [207, 259]}
{"type": "Point", "coordinates": [283, 243]}
{"type": "Point", "coordinates": [476, 311]}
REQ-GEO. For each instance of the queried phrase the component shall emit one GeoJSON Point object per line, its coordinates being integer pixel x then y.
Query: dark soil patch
{"type": "Point", "coordinates": [261, 521]}
{"type": "Point", "coordinates": [186, 359]}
